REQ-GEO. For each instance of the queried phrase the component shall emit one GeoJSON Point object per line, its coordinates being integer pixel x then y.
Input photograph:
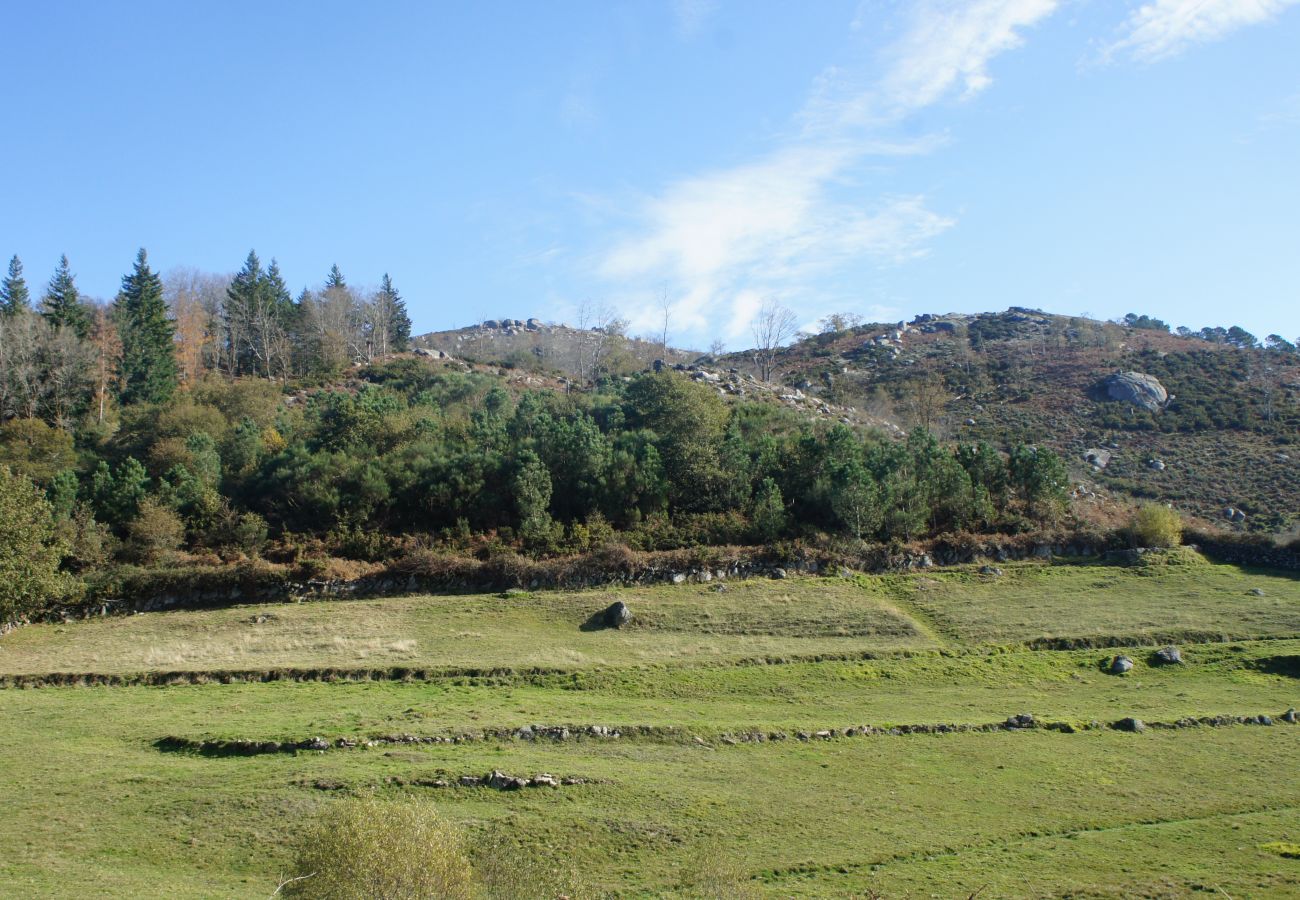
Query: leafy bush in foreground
{"type": "Point", "coordinates": [382, 850]}
{"type": "Point", "coordinates": [1157, 526]}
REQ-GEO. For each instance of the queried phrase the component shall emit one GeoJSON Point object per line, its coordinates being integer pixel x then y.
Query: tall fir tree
{"type": "Point", "coordinates": [14, 297]}
{"type": "Point", "coordinates": [335, 278]}
{"type": "Point", "coordinates": [399, 323]}
{"type": "Point", "coordinates": [239, 313]}
{"type": "Point", "coordinates": [61, 306]}
{"type": "Point", "coordinates": [148, 365]}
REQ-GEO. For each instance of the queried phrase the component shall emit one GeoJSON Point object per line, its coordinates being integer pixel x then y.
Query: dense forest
{"type": "Point", "coordinates": [222, 426]}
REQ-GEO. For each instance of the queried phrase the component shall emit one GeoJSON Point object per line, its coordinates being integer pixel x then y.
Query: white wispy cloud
{"type": "Point", "coordinates": [1165, 28]}
{"type": "Point", "coordinates": [723, 240]}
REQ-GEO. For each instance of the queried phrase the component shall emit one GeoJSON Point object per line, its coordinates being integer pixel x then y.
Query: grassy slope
{"type": "Point", "coordinates": [681, 624]}
{"type": "Point", "coordinates": [93, 808]}
{"type": "Point", "coordinates": [687, 624]}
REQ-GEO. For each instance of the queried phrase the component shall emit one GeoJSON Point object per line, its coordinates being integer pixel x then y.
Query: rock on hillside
{"type": "Point", "coordinates": [1141, 390]}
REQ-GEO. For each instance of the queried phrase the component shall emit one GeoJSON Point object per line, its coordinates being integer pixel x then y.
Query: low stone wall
{"type": "Point", "coordinates": [612, 566]}
{"type": "Point", "coordinates": [1259, 552]}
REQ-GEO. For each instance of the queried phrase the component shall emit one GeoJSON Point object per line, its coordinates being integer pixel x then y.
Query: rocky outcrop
{"type": "Point", "coordinates": [1140, 390]}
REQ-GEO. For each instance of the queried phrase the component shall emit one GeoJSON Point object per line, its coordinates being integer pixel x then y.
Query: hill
{"type": "Point", "coordinates": [1224, 447]}
{"type": "Point", "coordinates": [1226, 438]}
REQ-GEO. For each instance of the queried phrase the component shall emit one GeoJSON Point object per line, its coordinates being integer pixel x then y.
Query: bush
{"type": "Point", "coordinates": [30, 552]}
{"type": "Point", "coordinates": [154, 530]}
{"type": "Point", "coordinates": [1157, 526]}
{"type": "Point", "coordinates": [382, 849]}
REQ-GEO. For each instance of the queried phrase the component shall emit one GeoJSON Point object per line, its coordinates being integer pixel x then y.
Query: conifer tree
{"type": "Point", "coordinates": [62, 306]}
{"type": "Point", "coordinates": [240, 312]}
{"type": "Point", "coordinates": [13, 290]}
{"type": "Point", "coordinates": [148, 366]}
{"type": "Point", "coordinates": [335, 278]}
{"type": "Point", "coordinates": [398, 322]}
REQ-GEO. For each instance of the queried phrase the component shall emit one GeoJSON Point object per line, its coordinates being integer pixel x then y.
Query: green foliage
{"type": "Point", "coordinates": [117, 494]}
{"type": "Point", "coordinates": [382, 849]}
{"type": "Point", "coordinates": [154, 530]}
{"type": "Point", "coordinates": [61, 306]}
{"type": "Point", "coordinates": [768, 512]}
{"type": "Point", "coordinates": [35, 449]}
{"type": "Point", "coordinates": [30, 551]}
{"type": "Point", "coordinates": [14, 296]}
{"type": "Point", "coordinates": [1038, 477]}
{"type": "Point", "coordinates": [1157, 526]}
{"type": "Point", "coordinates": [532, 490]}
{"type": "Point", "coordinates": [147, 370]}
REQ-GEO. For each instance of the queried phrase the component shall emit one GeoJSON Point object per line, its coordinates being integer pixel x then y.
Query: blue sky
{"type": "Point", "coordinates": [517, 159]}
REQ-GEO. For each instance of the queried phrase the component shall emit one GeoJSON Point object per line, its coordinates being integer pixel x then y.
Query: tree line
{"type": "Point", "coordinates": [65, 358]}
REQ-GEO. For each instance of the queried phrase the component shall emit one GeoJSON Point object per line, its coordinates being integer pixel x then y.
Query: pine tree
{"type": "Point", "coordinates": [13, 290]}
{"type": "Point", "coordinates": [335, 278]}
{"type": "Point", "coordinates": [62, 306]}
{"type": "Point", "coordinates": [240, 312]}
{"type": "Point", "coordinates": [398, 322]}
{"type": "Point", "coordinates": [148, 366]}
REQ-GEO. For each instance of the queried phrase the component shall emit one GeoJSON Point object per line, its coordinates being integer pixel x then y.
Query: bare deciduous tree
{"type": "Point", "coordinates": [773, 327]}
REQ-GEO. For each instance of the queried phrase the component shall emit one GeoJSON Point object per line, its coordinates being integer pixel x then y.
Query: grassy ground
{"type": "Point", "coordinates": [94, 808]}
{"type": "Point", "coordinates": [673, 624]}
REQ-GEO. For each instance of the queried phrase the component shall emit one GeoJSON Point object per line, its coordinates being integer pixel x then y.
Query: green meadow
{"type": "Point", "coordinates": [680, 803]}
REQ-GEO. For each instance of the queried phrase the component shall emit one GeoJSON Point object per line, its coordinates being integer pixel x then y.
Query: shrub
{"type": "Point", "coordinates": [29, 550]}
{"type": "Point", "coordinates": [382, 849]}
{"type": "Point", "coordinates": [154, 530]}
{"type": "Point", "coordinates": [1157, 526]}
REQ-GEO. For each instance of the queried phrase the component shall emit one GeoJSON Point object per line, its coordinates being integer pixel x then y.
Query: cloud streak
{"type": "Point", "coordinates": [1166, 28]}
{"type": "Point", "coordinates": [722, 240]}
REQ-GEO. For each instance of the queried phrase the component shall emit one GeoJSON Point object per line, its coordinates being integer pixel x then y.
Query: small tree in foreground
{"type": "Point", "coordinates": [1157, 526]}
{"type": "Point", "coordinates": [29, 551]}
{"type": "Point", "coordinates": [383, 850]}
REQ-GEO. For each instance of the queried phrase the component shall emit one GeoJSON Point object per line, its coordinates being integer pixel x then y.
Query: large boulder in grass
{"type": "Point", "coordinates": [1167, 656]}
{"type": "Point", "coordinates": [617, 615]}
{"type": "Point", "coordinates": [1143, 391]}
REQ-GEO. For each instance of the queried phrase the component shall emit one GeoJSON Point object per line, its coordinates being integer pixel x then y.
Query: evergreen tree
{"type": "Point", "coordinates": [398, 322]}
{"type": "Point", "coordinates": [62, 306]}
{"type": "Point", "coordinates": [148, 367]}
{"type": "Point", "coordinates": [13, 290]}
{"type": "Point", "coordinates": [239, 313]}
{"type": "Point", "coordinates": [335, 278]}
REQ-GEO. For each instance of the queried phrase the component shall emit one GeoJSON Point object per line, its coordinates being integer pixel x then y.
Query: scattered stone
{"type": "Point", "coordinates": [1289, 716]}
{"type": "Point", "coordinates": [316, 743]}
{"type": "Point", "coordinates": [469, 781]}
{"type": "Point", "coordinates": [1264, 720]}
{"type": "Point", "coordinates": [1143, 391]}
{"type": "Point", "coordinates": [1023, 720]}
{"type": "Point", "coordinates": [617, 615]}
{"type": "Point", "coordinates": [1156, 464]}
{"type": "Point", "coordinates": [1167, 656]}
{"type": "Point", "coordinates": [1129, 723]}
{"type": "Point", "coordinates": [1097, 457]}
{"type": "Point", "coordinates": [778, 573]}
{"type": "Point", "coordinates": [543, 780]}
{"type": "Point", "coordinates": [991, 570]}
{"type": "Point", "coordinates": [1256, 592]}
{"type": "Point", "coordinates": [1119, 665]}
{"type": "Point", "coordinates": [825, 735]}
{"type": "Point", "coordinates": [719, 588]}
{"type": "Point", "coordinates": [679, 578]}
{"type": "Point", "coordinates": [503, 782]}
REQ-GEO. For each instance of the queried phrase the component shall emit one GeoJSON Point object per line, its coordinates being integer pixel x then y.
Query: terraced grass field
{"type": "Point", "coordinates": [675, 794]}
